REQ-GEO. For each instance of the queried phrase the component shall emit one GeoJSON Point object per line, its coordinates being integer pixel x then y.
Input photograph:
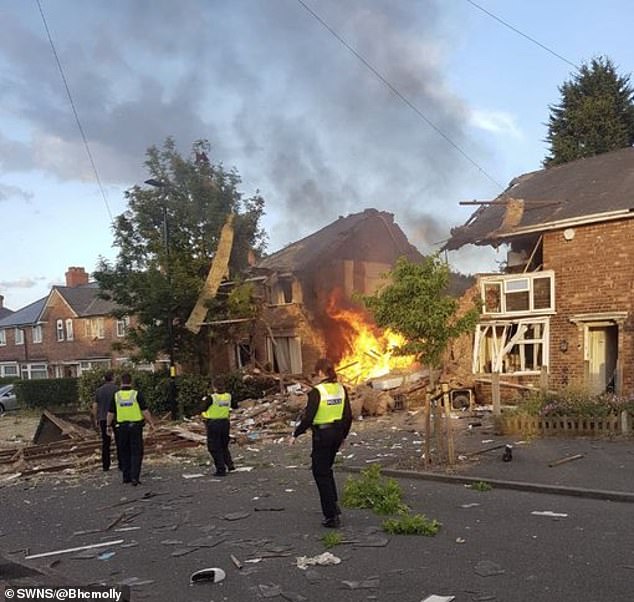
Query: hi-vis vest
{"type": "Point", "coordinates": [127, 406]}
{"type": "Point", "coordinates": [219, 408]}
{"type": "Point", "coordinates": [330, 403]}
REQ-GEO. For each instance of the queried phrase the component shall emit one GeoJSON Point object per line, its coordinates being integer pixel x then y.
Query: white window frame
{"type": "Point", "coordinates": [29, 370]}
{"type": "Point", "coordinates": [59, 330]}
{"type": "Point", "coordinates": [36, 334]}
{"type": "Point", "coordinates": [69, 329]}
{"type": "Point", "coordinates": [95, 328]}
{"type": "Point", "coordinates": [502, 345]}
{"type": "Point", "coordinates": [3, 337]}
{"type": "Point", "coordinates": [506, 284]}
{"type": "Point", "coordinates": [9, 369]}
{"type": "Point", "coordinates": [87, 365]}
{"type": "Point", "coordinates": [19, 336]}
{"type": "Point", "coordinates": [122, 326]}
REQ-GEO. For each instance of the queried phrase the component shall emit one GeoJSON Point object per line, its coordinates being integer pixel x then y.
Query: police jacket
{"type": "Point", "coordinates": [313, 407]}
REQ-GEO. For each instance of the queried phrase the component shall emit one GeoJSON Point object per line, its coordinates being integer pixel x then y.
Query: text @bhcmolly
{"type": "Point", "coordinates": [114, 594]}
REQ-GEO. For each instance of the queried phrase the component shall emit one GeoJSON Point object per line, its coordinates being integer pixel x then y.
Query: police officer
{"type": "Point", "coordinates": [129, 413]}
{"type": "Point", "coordinates": [329, 416]}
{"type": "Point", "coordinates": [216, 417]}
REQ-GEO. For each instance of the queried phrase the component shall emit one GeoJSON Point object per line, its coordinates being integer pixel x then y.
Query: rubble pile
{"type": "Point", "coordinates": [62, 445]}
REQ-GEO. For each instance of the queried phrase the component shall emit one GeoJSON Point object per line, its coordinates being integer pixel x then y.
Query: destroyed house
{"type": "Point", "coordinates": [305, 284]}
{"type": "Point", "coordinates": [563, 308]}
{"type": "Point", "coordinates": [68, 331]}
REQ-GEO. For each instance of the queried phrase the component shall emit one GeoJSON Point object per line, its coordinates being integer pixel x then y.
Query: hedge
{"type": "Point", "coordinates": [46, 392]}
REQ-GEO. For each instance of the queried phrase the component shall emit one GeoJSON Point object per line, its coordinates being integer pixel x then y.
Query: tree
{"type": "Point", "coordinates": [153, 281]}
{"type": "Point", "coordinates": [595, 115]}
{"type": "Point", "coordinates": [416, 305]}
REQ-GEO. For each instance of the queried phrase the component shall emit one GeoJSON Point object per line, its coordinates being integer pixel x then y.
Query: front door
{"type": "Point", "coordinates": [602, 344]}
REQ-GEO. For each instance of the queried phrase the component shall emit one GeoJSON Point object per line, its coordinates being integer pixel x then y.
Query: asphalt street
{"type": "Point", "coordinates": [505, 545]}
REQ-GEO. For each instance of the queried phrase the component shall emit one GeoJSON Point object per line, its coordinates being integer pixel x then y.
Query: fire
{"type": "Point", "coordinates": [369, 351]}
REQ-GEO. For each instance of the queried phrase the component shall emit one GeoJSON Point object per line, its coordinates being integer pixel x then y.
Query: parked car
{"type": "Point", "coordinates": [8, 400]}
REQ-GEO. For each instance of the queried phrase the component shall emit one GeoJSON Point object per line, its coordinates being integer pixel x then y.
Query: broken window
{"type": "Point", "coordinates": [281, 291]}
{"type": "Point", "coordinates": [511, 347]}
{"type": "Point", "coordinates": [244, 354]}
{"type": "Point", "coordinates": [286, 354]}
{"type": "Point", "coordinates": [518, 293]}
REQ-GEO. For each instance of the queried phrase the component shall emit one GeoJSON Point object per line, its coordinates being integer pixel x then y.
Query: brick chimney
{"type": "Point", "coordinates": [1, 301]}
{"type": "Point", "coordinates": [76, 277]}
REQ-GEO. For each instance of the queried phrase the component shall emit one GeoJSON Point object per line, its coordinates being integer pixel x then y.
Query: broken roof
{"type": "Point", "coordinates": [595, 188]}
{"type": "Point", "coordinates": [301, 254]}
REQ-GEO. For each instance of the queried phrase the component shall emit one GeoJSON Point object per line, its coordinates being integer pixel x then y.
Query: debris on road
{"type": "Point", "coordinates": [325, 559]}
{"type": "Point", "coordinates": [549, 513]}
{"type": "Point", "coordinates": [77, 549]}
{"type": "Point", "coordinates": [565, 460]}
{"type": "Point", "coordinates": [211, 575]}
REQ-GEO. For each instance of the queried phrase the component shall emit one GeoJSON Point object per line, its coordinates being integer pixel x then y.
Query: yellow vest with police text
{"type": "Point", "coordinates": [127, 406]}
{"type": "Point", "coordinates": [219, 408]}
{"type": "Point", "coordinates": [330, 403]}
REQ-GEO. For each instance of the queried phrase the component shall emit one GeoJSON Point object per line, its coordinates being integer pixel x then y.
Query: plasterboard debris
{"type": "Point", "coordinates": [325, 559]}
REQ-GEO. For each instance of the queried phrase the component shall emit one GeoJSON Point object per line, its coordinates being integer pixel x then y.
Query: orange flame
{"type": "Point", "coordinates": [370, 351]}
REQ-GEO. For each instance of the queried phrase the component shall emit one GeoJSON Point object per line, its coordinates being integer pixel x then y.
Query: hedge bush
{"type": "Point", "coordinates": [46, 392]}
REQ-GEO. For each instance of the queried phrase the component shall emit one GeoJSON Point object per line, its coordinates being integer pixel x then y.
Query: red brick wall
{"type": "Point", "coordinates": [594, 273]}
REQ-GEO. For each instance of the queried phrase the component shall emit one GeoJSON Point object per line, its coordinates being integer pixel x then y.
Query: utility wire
{"type": "Point", "coordinates": [398, 93]}
{"type": "Point", "coordinates": [533, 40]}
{"type": "Point", "coordinates": [72, 104]}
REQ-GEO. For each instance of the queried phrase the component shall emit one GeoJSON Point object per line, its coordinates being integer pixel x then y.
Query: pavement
{"type": "Point", "coordinates": [580, 467]}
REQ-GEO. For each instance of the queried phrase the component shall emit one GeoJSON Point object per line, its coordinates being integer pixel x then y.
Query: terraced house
{"type": "Point", "coordinates": [62, 334]}
{"type": "Point", "coordinates": [564, 305]}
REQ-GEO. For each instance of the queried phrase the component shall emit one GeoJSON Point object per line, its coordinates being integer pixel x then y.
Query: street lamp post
{"type": "Point", "coordinates": [171, 392]}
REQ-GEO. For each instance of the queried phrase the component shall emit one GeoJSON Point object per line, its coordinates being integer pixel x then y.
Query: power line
{"type": "Point", "coordinates": [398, 93]}
{"type": "Point", "coordinates": [72, 104]}
{"type": "Point", "coordinates": [533, 40]}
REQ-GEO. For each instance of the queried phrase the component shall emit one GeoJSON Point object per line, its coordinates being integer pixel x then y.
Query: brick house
{"type": "Point", "coordinates": [300, 285]}
{"type": "Point", "coordinates": [60, 335]}
{"type": "Point", "coordinates": [565, 303]}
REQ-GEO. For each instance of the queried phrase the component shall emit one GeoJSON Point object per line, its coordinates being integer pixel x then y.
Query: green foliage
{"type": "Point", "coordinates": [371, 491]}
{"type": "Point", "coordinates": [411, 524]}
{"type": "Point", "coordinates": [481, 486]}
{"type": "Point", "coordinates": [595, 114]}
{"type": "Point", "coordinates": [190, 388]}
{"type": "Point", "coordinates": [46, 392]}
{"type": "Point", "coordinates": [573, 402]}
{"type": "Point", "coordinates": [416, 305]}
{"type": "Point", "coordinates": [153, 281]}
{"type": "Point", "coordinates": [243, 386]}
{"type": "Point", "coordinates": [331, 539]}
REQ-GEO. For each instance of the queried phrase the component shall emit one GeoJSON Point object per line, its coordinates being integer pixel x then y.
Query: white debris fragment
{"type": "Point", "coordinates": [197, 475]}
{"type": "Point", "coordinates": [549, 513]}
{"type": "Point", "coordinates": [325, 559]}
{"type": "Point", "coordinates": [436, 598]}
{"type": "Point", "coordinates": [243, 469]}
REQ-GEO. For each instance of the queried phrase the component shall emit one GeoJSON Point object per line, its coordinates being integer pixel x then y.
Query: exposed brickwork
{"type": "Point", "coordinates": [66, 352]}
{"type": "Point", "coordinates": [594, 273]}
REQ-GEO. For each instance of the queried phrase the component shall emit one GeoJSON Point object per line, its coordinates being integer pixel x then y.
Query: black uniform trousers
{"type": "Point", "coordinates": [106, 440]}
{"type": "Point", "coordinates": [130, 436]}
{"type": "Point", "coordinates": [218, 444]}
{"type": "Point", "coordinates": [326, 443]}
